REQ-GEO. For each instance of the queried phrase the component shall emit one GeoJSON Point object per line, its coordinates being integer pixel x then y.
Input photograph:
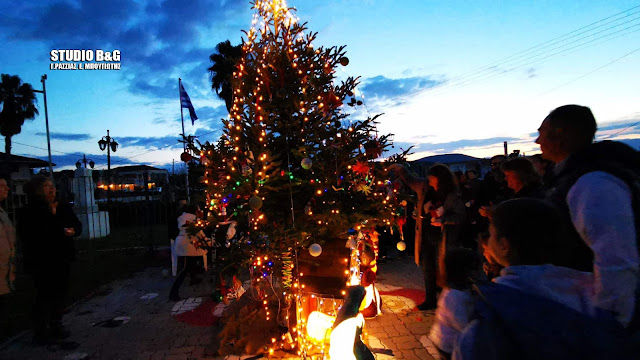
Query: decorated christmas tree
{"type": "Point", "coordinates": [292, 172]}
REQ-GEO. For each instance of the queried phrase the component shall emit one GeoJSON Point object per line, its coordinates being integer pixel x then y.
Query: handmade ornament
{"type": "Point", "coordinates": [370, 306]}
{"type": "Point", "coordinates": [361, 168]}
{"type": "Point", "coordinates": [373, 148]}
{"type": "Point", "coordinates": [315, 250]}
{"type": "Point", "coordinates": [231, 231]}
{"type": "Point", "coordinates": [306, 163]}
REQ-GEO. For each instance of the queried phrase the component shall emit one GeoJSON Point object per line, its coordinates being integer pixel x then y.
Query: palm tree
{"type": "Point", "coordinates": [18, 104]}
{"type": "Point", "coordinates": [224, 63]}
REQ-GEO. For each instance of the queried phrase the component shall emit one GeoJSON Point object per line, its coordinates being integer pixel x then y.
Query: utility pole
{"type": "Point", "coordinates": [46, 120]}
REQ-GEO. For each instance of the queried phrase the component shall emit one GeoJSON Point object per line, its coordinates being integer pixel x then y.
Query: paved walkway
{"type": "Point", "coordinates": [133, 319]}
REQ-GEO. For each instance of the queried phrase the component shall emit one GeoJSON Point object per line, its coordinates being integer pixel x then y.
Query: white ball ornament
{"type": "Point", "coordinates": [401, 245]}
{"type": "Point", "coordinates": [315, 250]}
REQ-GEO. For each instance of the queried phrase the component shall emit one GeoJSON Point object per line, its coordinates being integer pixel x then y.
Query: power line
{"type": "Point", "coordinates": [551, 42]}
{"type": "Point", "coordinates": [491, 70]}
{"type": "Point", "coordinates": [536, 59]}
{"type": "Point", "coordinates": [591, 72]}
{"type": "Point", "coordinates": [618, 132]}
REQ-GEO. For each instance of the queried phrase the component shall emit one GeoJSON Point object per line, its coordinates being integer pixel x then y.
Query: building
{"type": "Point", "coordinates": [20, 170]}
{"type": "Point", "coordinates": [134, 178]}
{"type": "Point", "coordinates": [455, 162]}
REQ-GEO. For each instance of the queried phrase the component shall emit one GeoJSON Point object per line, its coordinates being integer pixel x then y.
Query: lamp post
{"type": "Point", "coordinates": [107, 142]}
{"type": "Point", "coordinates": [85, 161]}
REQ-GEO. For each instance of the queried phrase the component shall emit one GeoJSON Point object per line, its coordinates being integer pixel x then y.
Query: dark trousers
{"type": "Point", "coordinates": [431, 239]}
{"type": "Point", "coordinates": [187, 265]}
{"type": "Point", "coordinates": [5, 323]}
{"type": "Point", "coordinates": [52, 284]}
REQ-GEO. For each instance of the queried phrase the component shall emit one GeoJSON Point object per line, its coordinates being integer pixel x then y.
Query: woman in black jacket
{"type": "Point", "coordinates": [46, 230]}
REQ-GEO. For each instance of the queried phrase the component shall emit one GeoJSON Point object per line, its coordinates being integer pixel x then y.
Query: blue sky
{"type": "Point", "coordinates": [449, 76]}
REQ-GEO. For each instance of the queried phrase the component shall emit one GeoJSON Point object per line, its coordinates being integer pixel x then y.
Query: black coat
{"type": "Point", "coordinates": [41, 235]}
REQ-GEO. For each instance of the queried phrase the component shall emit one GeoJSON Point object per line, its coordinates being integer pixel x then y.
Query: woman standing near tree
{"type": "Point", "coordinates": [46, 230]}
{"type": "Point", "coordinates": [450, 214]}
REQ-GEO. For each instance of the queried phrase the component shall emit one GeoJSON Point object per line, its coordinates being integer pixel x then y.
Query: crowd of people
{"type": "Point", "coordinates": [539, 259]}
{"type": "Point", "coordinates": [557, 235]}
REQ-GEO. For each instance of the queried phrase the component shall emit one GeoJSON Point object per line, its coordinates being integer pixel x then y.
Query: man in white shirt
{"type": "Point", "coordinates": [594, 185]}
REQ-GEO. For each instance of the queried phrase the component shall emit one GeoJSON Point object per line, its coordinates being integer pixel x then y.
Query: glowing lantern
{"type": "Point", "coordinates": [401, 245]}
{"type": "Point", "coordinates": [319, 326]}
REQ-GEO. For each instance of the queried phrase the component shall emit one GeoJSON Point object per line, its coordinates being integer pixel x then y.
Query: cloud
{"type": "Point", "coordinates": [531, 73]}
{"type": "Point", "coordinates": [158, 40]}
{"type": "Point", "coordinates": [212, 114]}
{"type": "Point", "coordinates": [67, 160]}
{"type": "Point", "coordinates": [383, 87]}
{"type": "Point", "coordinates": [150, 142]}
{"type": "Point", "coordinates": [66, 136]}
{"type": "Point", "coordinates": [630, 124]}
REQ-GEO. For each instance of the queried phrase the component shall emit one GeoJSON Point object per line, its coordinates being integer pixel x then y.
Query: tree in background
{"type": "Point", "coordinates": [224, 63]}
{"type": "Point", "coordinates": [18, 104]}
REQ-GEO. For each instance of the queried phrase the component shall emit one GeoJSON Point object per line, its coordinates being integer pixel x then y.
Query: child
{"type": "Point", "coordinates": [456, 303]}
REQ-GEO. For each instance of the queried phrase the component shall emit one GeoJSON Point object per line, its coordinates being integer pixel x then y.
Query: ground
{"type": "Point", "coordinates": [133, 319]}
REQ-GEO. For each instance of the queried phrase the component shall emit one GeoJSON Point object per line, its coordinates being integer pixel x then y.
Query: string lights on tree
{"type": "Point", "coordinates": [291, 171]}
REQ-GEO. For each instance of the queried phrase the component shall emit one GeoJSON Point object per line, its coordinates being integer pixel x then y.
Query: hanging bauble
{"type": "Point", "coordinates": [246, 170]}
{"type": "Point", "coordinates": [401, 245]}
{"type": "Point", "coordinates": [186, 157]}
{"type": "Point", "coordinates": [306, 163]}
{"type": "Point", "coordinates": [204, 160]}
{"type": "Point", "coordinates": [344, 61]}
{"type": "Point", "coordinates": [315, 250]}
{"type": "Point", "coordinates": [255, 202]}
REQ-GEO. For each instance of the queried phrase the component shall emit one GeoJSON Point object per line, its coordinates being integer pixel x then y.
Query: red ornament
{"type": "Point", "coordinates": [186, 157]}
{"type": "Point", "coordinates": [373, 149]}
{"type": "Point", "coordinates": [361, 168]}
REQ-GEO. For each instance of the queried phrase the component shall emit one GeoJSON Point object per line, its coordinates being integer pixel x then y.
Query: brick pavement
{"type": "Point", "coordinates": [148, 328]}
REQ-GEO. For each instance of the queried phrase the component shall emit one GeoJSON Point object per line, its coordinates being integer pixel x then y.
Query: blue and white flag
{"type": "Point", "coordinates": [186, 104]}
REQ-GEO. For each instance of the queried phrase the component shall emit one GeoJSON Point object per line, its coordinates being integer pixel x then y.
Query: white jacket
{"type": "Point", "coordinates": [570, 287]}
{"type": "Point", "coordinates": [183, 246]}
{"type": "Point", "coordinates": [455, 308]}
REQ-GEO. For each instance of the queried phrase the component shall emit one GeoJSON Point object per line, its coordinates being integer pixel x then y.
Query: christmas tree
{"type": "Point", "coordinates": [291, 168]}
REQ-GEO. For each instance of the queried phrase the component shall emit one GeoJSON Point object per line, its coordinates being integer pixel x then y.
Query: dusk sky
{"type": "Point", "coordinates": [449, 76]}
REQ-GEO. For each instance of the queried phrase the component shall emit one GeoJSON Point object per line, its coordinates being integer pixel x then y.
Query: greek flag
{"type": "Point", "coordinates": [186, 104]}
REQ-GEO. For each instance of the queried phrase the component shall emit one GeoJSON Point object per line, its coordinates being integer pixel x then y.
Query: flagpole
{"type": "Point", "coordinates": [184, 144]}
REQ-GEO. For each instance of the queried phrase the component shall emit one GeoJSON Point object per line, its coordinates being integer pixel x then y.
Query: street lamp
{"type": "Point", "coordinates": [85, 161]}
{"type": "Point", "coordinates": [107, 142]}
